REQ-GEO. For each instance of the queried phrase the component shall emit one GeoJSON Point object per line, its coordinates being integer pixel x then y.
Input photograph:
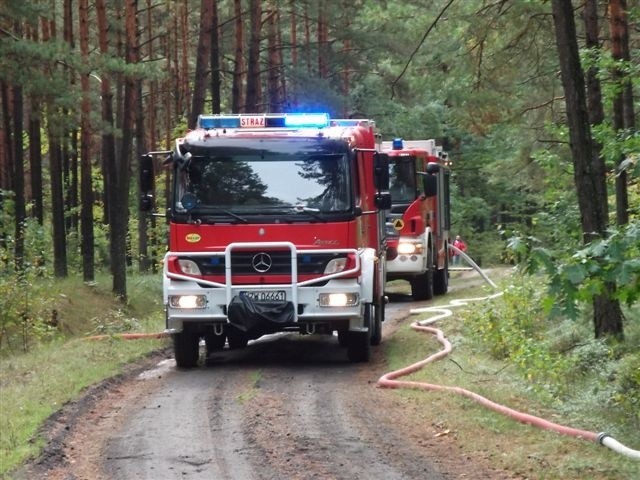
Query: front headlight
{"type": "Point", "coordinates": [187, 301]}
{"type": "Point", "coordinates": [338, 299]}
{"type": "Point", "coordinates": [405, 248]}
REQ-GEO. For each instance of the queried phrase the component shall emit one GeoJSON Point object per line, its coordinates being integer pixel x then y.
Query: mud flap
{"type": "Point", "coordinates": [259, 318]}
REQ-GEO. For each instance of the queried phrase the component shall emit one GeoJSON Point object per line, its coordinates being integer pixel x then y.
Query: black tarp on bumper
{"type": "Point", "coordinates": [252, 317]}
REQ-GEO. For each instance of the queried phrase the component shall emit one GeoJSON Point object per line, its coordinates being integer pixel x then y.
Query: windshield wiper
{"type": "Point", "coordinates": [314, 212]}
{"type": "Point", "coordinates": [209, 210]}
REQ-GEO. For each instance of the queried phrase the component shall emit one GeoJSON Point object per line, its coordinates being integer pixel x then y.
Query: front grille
{"type": "Point", "coordinates": [242, 263]}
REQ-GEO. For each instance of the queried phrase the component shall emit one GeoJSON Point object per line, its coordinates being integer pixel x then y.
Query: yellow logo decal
{"type": "Point", "coordinates": [192, 238]}
{"type": "Point", "coordinates": [398, 224]}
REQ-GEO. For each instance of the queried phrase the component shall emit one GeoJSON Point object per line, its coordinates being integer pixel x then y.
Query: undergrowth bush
{"type": "Point", "coordinates": [559, 357]}
{"type": "Point", "coordinates": [25, 314]}
{"type": "Point", "coordinates": [627, 387]}
{"type": "Point", "coordinates": [513, 328]}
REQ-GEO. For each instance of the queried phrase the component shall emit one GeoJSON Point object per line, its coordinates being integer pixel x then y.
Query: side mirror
{"type": "Point", "coordinates": [430, 179]}
{"type": "Point", "coordinates": [381, 171]}
{"type": "Point", "coordinates": [146, 173]}
{"type": "Point", "coordinates": [429, 184]}
{"type": "Point", "coordinates": [146, 183]}
{"type": "Point", "coordinates": [383, 200]}
{"type": "Point", "coordinates": [146, 203]}
{"type": "Point", "coordinates": [433, 168]}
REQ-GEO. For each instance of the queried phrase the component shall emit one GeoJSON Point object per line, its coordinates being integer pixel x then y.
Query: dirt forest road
{"type": "Point", "coordinates": [286, 407]}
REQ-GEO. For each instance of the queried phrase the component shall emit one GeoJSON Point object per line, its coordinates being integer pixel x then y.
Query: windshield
{"type": "Point", "coordinates": [261, 182]}
{"type": "Point", "coordinates": [402, 179]}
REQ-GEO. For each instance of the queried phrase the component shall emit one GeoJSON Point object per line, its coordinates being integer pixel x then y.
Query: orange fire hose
{"type": "Point", "coordinates": [389, 381]}
{"type": "Point", "coordinates": [128, 336]}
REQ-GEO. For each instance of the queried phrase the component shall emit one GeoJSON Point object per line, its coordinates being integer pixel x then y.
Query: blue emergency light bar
{"type": "Point", "coordinates": [351, 122]}
{"type": "Point", "coordinates": [397, 144]}
{"type": "Point", "coordinates": [284, 120]}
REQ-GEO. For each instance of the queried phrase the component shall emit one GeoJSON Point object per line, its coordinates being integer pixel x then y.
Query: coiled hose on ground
{"type": "Point", "coordinates": [389, 380]}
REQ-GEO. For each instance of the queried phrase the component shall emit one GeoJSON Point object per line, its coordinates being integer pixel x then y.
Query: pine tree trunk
{"type": "Point", "coordinates": [273, 60]}
{"type": "Point", "coordinates": [120, 202]}
{"type": "Point", "coordinates": [35, 159]}
{"type": "Point", "coordinates": [323, 40]}
{"type": "Point", "coordinates": [216, 80]}
{"type": "Point", "coordinates": [6, 156]}
{"type": "Point", "coordinates": [86, 184]}
{"type": "Point", "coordinates": [589, 169]}
{"type": "Point", "coordinates": [619, 36]}
{"type": "Point", "coordinates": [143, 240]}
{"type": "Point", "coordinates": [237, 100]}
{"type": "Point", "coordinates": [307, 37]}
{"type": "Point", "coordinates": [594, 92]}
{"type": "Point", "coordinates": [184, 88]}
{"type": "Point", "coordinates": [57, 207]}
{"type": "Point", "coordinates": [108, 140]}
{"type": "Point", "coordinates": [293, 100]}
{"type": "Point", "coordinates": [203, 54]}
{"type": "Point", "coordinates": [55, 174]}
{"type": "Point", "coordinates": [252, 103]}
{"type": "Point", "coordinates": [70, 142]}
{"type": "Point", "coordinates": [18, 177]}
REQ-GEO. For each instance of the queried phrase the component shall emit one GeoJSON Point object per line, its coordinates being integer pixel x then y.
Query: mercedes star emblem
{"type": "Point", "coordinates": [261, 262]}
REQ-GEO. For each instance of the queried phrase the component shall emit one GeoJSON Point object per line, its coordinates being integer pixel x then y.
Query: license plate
{"type": "Point", "coordinates": [265, 296]}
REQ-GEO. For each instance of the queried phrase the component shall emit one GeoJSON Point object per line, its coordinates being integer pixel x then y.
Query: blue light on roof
{"type": "Point", "coordinates": [208, 122]}
{"type": "Point", "coordinates": [261, 120]}
{"type": "Point", "coordinates": [397, 144]}
{"type": "Point", "coordinates": [306, 120]}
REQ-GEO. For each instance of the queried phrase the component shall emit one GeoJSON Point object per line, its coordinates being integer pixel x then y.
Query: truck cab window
{"type": "Point", "coordinates": [402, 181]}
{"type": "Point", "coordinates": [249, 183]}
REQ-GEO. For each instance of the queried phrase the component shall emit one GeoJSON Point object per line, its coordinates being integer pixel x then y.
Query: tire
{"type": "Point", "coordinates": [376, 323]}
{"type": "Point", "coordinates": [359, 343]}
{"type": "Point", "coordinates": [359, 346]}
{"type": "Point", "coordinates": [214, 342]}
{"type": "Point", "coordinates": [422, 286]}
{"type": "Point", "coordinates": [186, 349]}
{"type": "Point", "coordinates": [441, 279]}
{"type": "Point", "coordinates": [237, 338]}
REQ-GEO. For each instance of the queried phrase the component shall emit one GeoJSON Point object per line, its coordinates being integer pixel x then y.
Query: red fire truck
{"type": "Point", "coordinates": [418, 222]}
{"type": "Point", "coordinates": [276, 224]}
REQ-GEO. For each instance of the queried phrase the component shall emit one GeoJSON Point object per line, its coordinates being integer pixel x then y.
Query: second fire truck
{"type": "Point", "coordinates": [418, 222]}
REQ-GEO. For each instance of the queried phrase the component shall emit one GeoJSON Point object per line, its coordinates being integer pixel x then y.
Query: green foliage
{"type": "Point", "coordinates": [55, 369]}
{"type": "Point", "coordinates": [25, 317]}
{"type": "Point", "coordinates": [627, 387]}
{"type": "Point", "coordinates": [558, 357]}
{"type": "Point", "coordinates": [577, 277]}
{"type": "Point", "coordinates": [514, 329]}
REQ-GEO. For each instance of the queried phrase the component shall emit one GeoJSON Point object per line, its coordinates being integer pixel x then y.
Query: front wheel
{"type": "Point", "coordinates": [359, 346]}
{"type": "Point", "coordinates": [376, 323]}
{"type": "Point", "coordinates": [186, 348]}
{"type": "Point", "coordinates": [441, 280]}
{"type": "Point", "coordinates": [359, 343]}
{"type": "Point", "coordinates": [422, 286]}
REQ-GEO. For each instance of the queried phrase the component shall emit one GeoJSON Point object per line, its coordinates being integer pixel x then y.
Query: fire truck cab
{"type": "Point", "coordinates": [418, 222]}
{"type": "Point", "coordinates": [276, 224]}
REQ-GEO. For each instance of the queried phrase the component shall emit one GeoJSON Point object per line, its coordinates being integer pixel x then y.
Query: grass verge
{"type": "Point", "coordinates": [37, 382]}
{"type": "Point", "coordinates": [522, 449]}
